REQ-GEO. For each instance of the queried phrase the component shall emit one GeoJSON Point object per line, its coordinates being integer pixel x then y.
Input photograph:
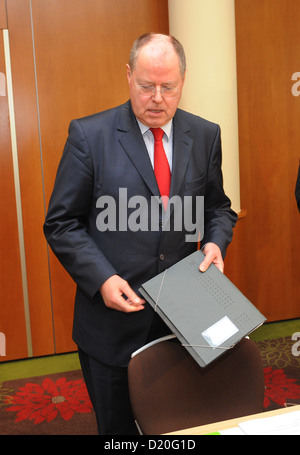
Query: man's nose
{"type": "Point", "coordinates": [157, 96]}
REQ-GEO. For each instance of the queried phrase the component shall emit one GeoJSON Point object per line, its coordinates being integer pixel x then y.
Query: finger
{"type": "Point", "coordinates": [208, 261]}
{"type": "Point", "coordinates": [128, 301]}
{"type": "Point", "coordinates": [132, 297]}
{"type": "Point", "coordinates": [121, 303]}
{"type": "Point", "coordinates": [205, 263]}
{"type": "Point", "coordinates": [220, 267]}
{"type": "Point", "coordinates": [127, 306]}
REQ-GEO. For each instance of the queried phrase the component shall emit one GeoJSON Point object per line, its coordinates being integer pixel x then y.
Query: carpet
{"type": "Point", "coordinates": [58, 404]}
{"type": "Point", "coordinates": [55, 404]}
{"type": "Point", "coordinates": [281, 361]}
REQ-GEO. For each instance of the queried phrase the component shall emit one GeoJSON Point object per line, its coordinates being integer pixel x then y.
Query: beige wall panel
{"type": "Point", "coordinates": [206, 29]}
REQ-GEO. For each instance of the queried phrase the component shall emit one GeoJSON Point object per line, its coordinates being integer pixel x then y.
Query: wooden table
{"type": "Point", "coordinates": [233, 423]}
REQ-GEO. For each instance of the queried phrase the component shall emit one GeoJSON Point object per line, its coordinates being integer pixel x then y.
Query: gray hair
{"type": "Point", "coordinates": [147, 38]}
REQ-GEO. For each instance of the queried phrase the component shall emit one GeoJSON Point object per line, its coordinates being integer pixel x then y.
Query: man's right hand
{"type": "Point", "coordinates": [118, 295]}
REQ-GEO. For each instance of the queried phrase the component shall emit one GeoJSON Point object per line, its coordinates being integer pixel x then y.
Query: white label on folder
{"type": "Point", "coordinates": [220, 331]}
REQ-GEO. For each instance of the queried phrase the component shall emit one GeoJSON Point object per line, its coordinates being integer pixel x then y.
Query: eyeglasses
{"type": "Point", "coordinates": [150, 90]}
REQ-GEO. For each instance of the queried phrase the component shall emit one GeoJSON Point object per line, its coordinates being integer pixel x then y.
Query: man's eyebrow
{"type": "Point", "coordinates": [144, 82]}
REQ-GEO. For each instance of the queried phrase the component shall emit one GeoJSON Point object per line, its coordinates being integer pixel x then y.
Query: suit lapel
{"type": "Point", "coordinates": [133, 143]}
{"type": "Point", "coordinates": [182, 147]}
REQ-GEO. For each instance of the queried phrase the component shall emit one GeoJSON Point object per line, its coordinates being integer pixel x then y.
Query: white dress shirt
{"type": "Point", "coordinates": [167, 141]}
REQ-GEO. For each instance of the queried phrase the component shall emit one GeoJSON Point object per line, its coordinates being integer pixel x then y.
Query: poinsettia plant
{"type": "Point", "coordinates": [44, 402]}
{"type": "Point", "coordinates": [279, 388]}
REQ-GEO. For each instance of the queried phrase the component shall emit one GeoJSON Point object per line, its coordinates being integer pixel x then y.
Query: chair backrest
{"type": "Point", "coordinates": [169, 391]}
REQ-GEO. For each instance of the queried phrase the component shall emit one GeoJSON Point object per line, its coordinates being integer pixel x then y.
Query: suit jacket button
{"type": "Point", "coordinates": [161, 257]}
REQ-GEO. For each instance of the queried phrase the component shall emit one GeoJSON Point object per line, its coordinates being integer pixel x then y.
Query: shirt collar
{"type": "Point", "coordinates": [166, 128]}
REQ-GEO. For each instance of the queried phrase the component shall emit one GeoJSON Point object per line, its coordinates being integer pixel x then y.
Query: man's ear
{"type": "Point", "coordinates": [128, 72]}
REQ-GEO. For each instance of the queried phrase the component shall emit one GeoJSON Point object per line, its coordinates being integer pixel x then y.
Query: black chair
{"type": "Point", "coordinates": [170, 392]}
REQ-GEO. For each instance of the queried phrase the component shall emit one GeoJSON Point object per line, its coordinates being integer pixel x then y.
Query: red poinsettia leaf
{"type": "Point", "coordinates": [20, 400]}
{"type": "Point", "coordinates": [20, 418]}
{"type": "Point", "coordinates": [82, 391]}
{"type": "Point", "coordinates": [66, 393]}
{"type": "Point", "coordinates": [291, 381]}
{"type": "Point", "coordinates": [281, 401]}
{"type": "Point", "coordinates": [60, 382]}
{"type": "Point", "coordinates": [83, 397]}
{"type": "Point", "coordinates": [279, 381]}
{"type": "Point", "coordinates": [51, 416]}
{"type": "Point", "coordinates": [39, 419]}
{"type": "Point", "coordinates": [293, 393]}
{"type": "Point", "coordinates": [49, 386]}
{"type": "Point", "coordinates": [83, 409]}
{"type": "Point", "coordinates": [23, 415]}
{"type": "Point", "coordinates": [32, 386]}
{"type": "Point", "coordinates": [34, 415]}
{"type": "Point", "coordinates": [78, 382]}
{"type": "Point", "coordinates": [72, 401]}
{"type": "Point", "coordinates": [67, 413]}
{"type": "Point", "coordinates": [47, 409]}
{"type": "Point", "coordinates": [14, 408]}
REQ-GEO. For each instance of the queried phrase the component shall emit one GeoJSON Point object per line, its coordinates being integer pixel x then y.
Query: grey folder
{"type": "Point", "coordinates": [205, 311]}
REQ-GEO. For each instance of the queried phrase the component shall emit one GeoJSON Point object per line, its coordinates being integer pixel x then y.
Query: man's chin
{"type": "Point", "coordinates": [156, 118]}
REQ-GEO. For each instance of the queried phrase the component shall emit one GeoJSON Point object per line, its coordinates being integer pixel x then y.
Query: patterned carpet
{"type": "Point", "coordinates": [281, 359]}
{"type": "Point", "coordinates": [56, 404]}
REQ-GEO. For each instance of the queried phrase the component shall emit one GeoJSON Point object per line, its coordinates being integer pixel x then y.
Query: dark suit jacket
{"type": "Point", "coordinates": [105, 152]}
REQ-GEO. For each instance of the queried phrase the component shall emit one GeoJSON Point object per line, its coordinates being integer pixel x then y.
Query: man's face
{"type": "Point", "coordinates": [157, 66]}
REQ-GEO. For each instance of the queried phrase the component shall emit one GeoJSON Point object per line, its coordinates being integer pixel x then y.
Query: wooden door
{"type": "Point", "coordinates": [67, 60]}
{"type": "Point", "coordinates": [12, 320]}
{"type": "Point", "coordinates": [268, 49]}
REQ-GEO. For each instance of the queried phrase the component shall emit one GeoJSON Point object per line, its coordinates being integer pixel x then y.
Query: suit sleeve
{"type": "Point", "coordinates": [66, 222]}
{"type": "Point", "coordinates": [219, 218]}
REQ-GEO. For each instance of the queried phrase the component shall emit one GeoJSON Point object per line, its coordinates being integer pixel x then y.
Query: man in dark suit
{"type": "Point", "coordinates": [111, 243]}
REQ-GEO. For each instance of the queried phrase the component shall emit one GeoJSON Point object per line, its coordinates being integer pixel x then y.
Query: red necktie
{"type": "Point", "coordinates": [161, 165]}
